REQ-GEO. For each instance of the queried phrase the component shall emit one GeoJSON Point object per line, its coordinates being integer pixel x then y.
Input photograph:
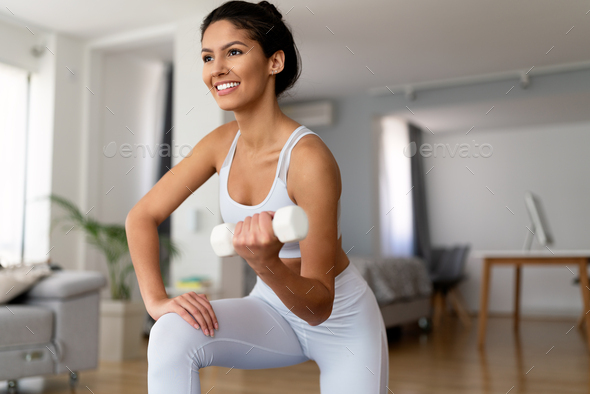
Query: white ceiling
{"type": "Point", "coordinates": [394, 43]}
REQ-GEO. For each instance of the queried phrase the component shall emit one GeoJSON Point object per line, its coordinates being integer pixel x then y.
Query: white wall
{"type": "Point", "coordinates": [67, 156]}
{"type": "Point", "coordinates": [16, 43]}
{"type": "Point", "coordinates": [550, 160]}
{"type": "Point", "coordinates": [133, 90]}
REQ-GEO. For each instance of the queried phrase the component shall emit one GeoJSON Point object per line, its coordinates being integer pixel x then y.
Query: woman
{"type": "Point", "coordinates": [309, 302]}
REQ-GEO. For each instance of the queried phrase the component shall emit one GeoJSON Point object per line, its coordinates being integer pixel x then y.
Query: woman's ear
{"type": "Point", "coordinates": [277, 62]}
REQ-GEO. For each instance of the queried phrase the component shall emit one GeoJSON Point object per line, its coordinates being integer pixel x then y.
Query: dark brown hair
{"type": "Point", "coordinates": [264, 24]}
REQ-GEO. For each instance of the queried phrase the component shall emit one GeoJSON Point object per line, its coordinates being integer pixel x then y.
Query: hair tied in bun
{"type": "Point", "coordinates": [271, 9]}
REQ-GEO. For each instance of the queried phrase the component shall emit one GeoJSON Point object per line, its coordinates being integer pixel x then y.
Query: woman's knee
{"type": "Point", "coordinates": [172, 339]}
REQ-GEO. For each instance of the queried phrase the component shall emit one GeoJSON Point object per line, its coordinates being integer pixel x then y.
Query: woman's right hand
{"type": "Point", "coordinates": [192, 307]}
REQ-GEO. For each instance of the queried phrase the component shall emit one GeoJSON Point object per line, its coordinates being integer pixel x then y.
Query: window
{"type": "Point", "coordinates": [13, 112]}
{"type": "Point", "coordinates": [395, 183]}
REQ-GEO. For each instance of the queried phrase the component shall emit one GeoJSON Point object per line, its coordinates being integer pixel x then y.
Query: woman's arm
{"type": "Point", "coordinates": [314, 177]}
{"type": "Point", "coordinates": [143, 240]}
{"type": "Point", "coordinates": [151, 210]}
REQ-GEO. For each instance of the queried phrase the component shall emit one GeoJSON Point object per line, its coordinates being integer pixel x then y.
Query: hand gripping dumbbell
{"type": "Point", "coordinates": [289, 224]}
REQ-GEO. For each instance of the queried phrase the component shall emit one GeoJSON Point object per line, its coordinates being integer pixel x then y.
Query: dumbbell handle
{"type": "Point", "coordinates": [289, 224]}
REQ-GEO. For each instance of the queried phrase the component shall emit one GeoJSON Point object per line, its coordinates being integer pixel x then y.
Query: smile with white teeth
{"type": "Point", "coordinates": [227, 86]}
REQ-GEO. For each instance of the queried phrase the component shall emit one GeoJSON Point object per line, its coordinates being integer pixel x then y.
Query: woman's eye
{"type": "Point", "coordinates": [230, 51]}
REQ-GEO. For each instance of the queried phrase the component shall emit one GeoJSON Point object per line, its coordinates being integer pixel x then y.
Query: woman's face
{"type": "Point", "coordinates": [243, 61]}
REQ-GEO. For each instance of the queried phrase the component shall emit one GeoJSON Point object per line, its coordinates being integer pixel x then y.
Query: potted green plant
{"type": "Point", "coordinates": [121, 318]}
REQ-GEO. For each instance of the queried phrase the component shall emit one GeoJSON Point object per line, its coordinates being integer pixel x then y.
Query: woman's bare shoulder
{"type": "Point", "coordinates": [226, 131]}
{"type": "Point", "coordinates": [311, 157]}
{"type": "Point", "coordinates": [312, 145]}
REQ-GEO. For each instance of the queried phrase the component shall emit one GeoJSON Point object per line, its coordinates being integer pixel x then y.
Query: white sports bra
{"type": "Point", "coordinates": [233, 212]}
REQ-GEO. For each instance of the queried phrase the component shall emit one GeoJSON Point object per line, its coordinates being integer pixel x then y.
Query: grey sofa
{"type": "Point", "coordinates": [52, 328]}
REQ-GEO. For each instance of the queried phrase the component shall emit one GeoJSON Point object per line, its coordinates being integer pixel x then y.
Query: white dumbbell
{"type": "Point", "coordinates": [289, 225]}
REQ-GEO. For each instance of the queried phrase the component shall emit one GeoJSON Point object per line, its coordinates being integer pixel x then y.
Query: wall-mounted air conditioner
{"type": "Point", "coordinates": [312, 114]}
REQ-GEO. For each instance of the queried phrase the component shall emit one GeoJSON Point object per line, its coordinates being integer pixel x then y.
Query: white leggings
{"type": "Point", "coordinates": [259, 332]}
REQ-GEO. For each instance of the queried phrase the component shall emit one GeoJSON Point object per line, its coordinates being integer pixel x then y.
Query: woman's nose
{"type": "Point", "coordinates": [219, 68]}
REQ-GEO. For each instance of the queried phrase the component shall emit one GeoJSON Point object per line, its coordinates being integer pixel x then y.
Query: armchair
{"type": "Point", "coordinates": [52, 328]}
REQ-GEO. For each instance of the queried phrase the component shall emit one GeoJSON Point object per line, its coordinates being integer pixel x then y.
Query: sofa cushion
{"type": "Point", "coordinates": [25, 325]}
{"type": "Point", "coordinates": [66, 283]}
{"type": "Point", "coordinates": [16, 280]}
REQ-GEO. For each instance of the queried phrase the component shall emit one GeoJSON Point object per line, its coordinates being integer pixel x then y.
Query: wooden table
{"type": "Point", "coordinates": [574, 258]}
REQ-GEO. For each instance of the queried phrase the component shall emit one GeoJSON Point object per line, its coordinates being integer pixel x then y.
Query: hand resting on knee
{"type": "Point", "coordinates": [192, 307]}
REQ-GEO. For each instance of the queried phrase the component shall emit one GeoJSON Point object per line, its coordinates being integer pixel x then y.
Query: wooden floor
{"type": "Point", "coordinates": [547, 357]}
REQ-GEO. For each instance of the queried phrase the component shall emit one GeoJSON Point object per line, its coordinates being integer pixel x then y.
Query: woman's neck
{"type": "Point", "coordinates": [260, 125]}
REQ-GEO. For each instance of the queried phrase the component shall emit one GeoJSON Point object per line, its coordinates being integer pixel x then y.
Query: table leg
{"type": "Point", "coordinates": [483, 302]}
{"type": "Point", "coordinates": [581, 320]}
{"type": "Point", "coordinates": [517, 296]}
{"type": "Point", "coordinates": [585, 296]}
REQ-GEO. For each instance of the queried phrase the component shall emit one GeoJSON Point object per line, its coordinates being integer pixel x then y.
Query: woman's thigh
{"type": "Point", "coordinates": [251, 335]}
{"type": "Point", "coordinates": [351, 348]}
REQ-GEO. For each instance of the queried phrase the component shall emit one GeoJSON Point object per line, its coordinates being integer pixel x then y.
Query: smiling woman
{"type": "Point", "coordinates": [309, 302]}
{"type": "Point", "coordinates": [263, 27]}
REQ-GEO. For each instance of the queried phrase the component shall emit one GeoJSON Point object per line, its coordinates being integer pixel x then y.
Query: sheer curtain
{"type": "Point", "coordinates": [395, 185]}
{"type": "Point", "coordinates": [13, 109]}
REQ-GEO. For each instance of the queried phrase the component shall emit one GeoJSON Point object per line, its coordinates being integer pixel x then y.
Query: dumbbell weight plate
{"type": "Point", "coordinates": [222, 239]}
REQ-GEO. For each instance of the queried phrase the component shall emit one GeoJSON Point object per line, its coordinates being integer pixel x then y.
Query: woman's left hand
{"type": "Point", "coordinates": [254, 239]}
